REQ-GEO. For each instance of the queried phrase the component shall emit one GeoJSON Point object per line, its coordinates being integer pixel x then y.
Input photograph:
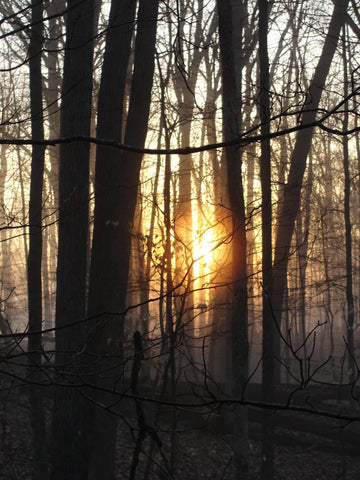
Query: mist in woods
{"type": "Point", "coordinates": [179, 254]}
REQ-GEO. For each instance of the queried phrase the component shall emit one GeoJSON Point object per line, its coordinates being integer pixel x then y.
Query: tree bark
{"type": "Point", "coordinates": [116, 181]}
{"type": "Point", "coordinates": [239, 320]}
{"type": "Point", "coordinates": [35, 244]}
{"type": "Point", "coordinates": [69, 455]}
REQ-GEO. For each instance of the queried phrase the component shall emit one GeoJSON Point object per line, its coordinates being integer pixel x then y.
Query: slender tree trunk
{"type": "Point", "coordinates": [46, 282]}
{"type": "Point", "coordinates": [171, 326]}
{"type": "Point", "coordinates": [23, 202]}
{"type": "Point", "coordinates": [302, 241]}
{"type": "Point", "coordinates": [162, 129]}
{"type": "Point", "coordinates": [6, 279]}
{"type": "Point", "coordinates": [52, 94]}
{"type": "Point", "coordinates": [357, 143]}
{"type": "Point", "coordinates": [35, 245]}
{"type": "Point", "coordinates": [52, 90]}
{"type": "Point", "coordinates": [328, 297]}
{"type": "Point", "coordinates": [184, 231]}
{"type": "Point", "coordinates": [250, 176]}
{"type": "Point", "coordinates": [269, 331]}
{"type": "Point", "coordinates": [348, 226]}
{"type": "Point", "coordinates": [69, 455]}
{"type": "Point", "coordinates": [326, 253]}
{"type": "Point", "coordinates": [185, 91]}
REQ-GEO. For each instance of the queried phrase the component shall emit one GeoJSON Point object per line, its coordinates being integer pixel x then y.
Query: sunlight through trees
{"type": "Point", "coordinates": [179, 226]}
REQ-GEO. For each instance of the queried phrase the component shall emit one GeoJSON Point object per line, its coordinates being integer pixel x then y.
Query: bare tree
{"type": "Point", "coordinates": [291, 198]}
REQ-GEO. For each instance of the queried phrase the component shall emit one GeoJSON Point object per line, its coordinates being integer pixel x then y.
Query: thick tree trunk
{"type": "Point", "coordinates": [69, 455]}
{"type": "Point", "coordinates": [111, 240]}
{"type": "Point", "coordinates": [239, 321]}
{"type": "Point", "coordinates": [116, 181]}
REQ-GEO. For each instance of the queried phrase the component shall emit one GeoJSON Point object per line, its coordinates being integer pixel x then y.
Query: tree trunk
{"type": "Point", "coordinates": [116, 179]}
{"type": "Point", "coordinates": [6, 279]}
{"type": "Point", "coordinates": [239, 321]}
{"type": "Point", "coordinates": [52, 90]}
{"type": "Point", "coordinates": [35, 245]}
{"type": "Point", "coordinates": [69, 456]}
{"type": "Point", "coordinates": [348, 227]}
{"type": "Point", "coordinates": [185, 92]}
{"type": "Point", "coordinates": [302, 243]}
{"type": "Point", "coordinates": [269, 331]}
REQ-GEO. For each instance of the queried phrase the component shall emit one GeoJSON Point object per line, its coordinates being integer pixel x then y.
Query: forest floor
{"type": "Point", "coordinates": [202, 452]}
